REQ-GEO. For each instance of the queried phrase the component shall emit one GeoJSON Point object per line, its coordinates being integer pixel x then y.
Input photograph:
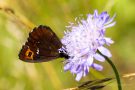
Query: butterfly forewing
{"type": "Point", "coordinates": [42, 45]}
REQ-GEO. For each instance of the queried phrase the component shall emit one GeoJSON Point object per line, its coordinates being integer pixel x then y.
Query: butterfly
{"type": "Point", "coordinates": [41, 46]}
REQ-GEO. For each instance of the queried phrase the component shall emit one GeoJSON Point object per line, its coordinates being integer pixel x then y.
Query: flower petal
{"type": "Point", "coordinates": [79, 76]}
{"type": "Point", "coordinates": [111, 19]}
{"type": "Point", "coordinates": [105, 51]}
{"type": "Point", "coordinates": [97, 67]}
{"type": "Point", "coordinates": [74, 68]}
{"type": "Point", "coordinates": [99, 57]}
{"type": "Point", "coordinates": [83, 52]}
{"type": "Point", "coordinates": [67, 66]}
{"type": "Point", "coordinates": [108, 41]}
{"type": "Point", "coordinates": [95, 14]}
{"type": "Point", "coordinates": [86, 71]}
{"type": "Point", "coordinates": [89, 60]}
{"type": "Point", "coordinates": [109, 25]}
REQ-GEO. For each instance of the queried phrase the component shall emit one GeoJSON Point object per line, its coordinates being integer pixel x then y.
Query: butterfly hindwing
{"type": "Point", "coordinates": [42, 45]}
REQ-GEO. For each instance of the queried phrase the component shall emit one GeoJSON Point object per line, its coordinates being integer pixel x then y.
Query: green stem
{"type": "Point", "coordinates": [115, 71]}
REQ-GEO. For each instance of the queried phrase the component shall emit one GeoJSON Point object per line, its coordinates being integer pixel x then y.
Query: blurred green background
{"type": "Point", "coordinates": [18, 75]}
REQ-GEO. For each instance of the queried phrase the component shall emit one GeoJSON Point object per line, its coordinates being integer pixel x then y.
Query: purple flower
{"type": "Point", "coordinates": [82, 40]}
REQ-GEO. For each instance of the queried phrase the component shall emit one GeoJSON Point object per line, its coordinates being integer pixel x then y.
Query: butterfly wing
{"type": "Point", "coordinates": [42, 45]}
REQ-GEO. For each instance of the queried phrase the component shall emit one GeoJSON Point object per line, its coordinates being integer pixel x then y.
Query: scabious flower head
{"type": "Point", "coordinates": [82, 40]}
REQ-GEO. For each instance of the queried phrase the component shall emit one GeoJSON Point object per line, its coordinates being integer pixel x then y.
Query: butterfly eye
{"type": "Point", "coordinates": [29, 54]}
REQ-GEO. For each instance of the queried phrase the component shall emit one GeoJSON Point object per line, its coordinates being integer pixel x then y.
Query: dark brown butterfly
{"type": "Point", "coordinates": [42, 46]}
